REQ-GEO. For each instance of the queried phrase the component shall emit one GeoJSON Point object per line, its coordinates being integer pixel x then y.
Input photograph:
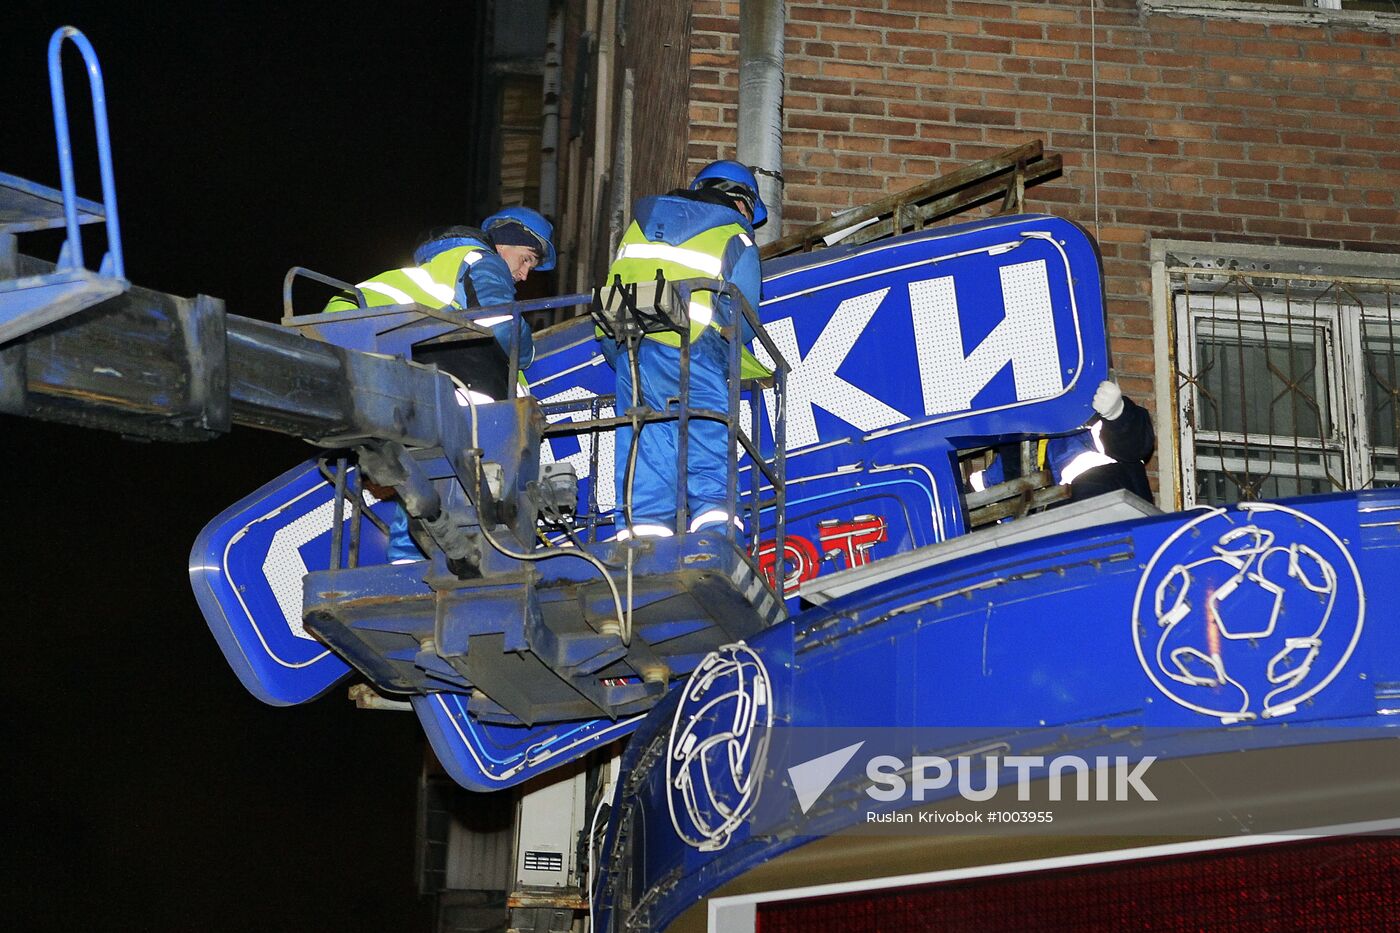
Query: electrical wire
{"type": "Point", "coordinates": [634, 365]}
{"type": "Point", "coordinates": [623, 620]}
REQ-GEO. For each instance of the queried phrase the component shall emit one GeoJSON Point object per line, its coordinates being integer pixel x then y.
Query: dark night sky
{"type": "Point", "coordinates": [146, 789]}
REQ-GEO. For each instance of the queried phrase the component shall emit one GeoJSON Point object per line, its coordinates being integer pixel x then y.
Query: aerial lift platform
{"type": "Point", "coordinates": [512, 608]}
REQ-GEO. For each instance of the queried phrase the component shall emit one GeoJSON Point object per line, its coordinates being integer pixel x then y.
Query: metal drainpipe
{"type": "Point", "coordinates": [621, 208]}
{"type": "Point", "coordinates": [549, 131]}
{"type": "Point", "coordinates": [603, 113]}
{"type": "Point", "coordinates": [761, 104]}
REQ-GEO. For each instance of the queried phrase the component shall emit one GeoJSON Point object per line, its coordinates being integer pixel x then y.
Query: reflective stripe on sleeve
{"type": "Point", "coordinates": [712, 517]}
{"type": "Point", "coordinates": [423, 280]}
{"type": "Point", "coordinates": [694, 259]}
{"type": "Point", "coordinates": [395, 295]}
{"type": "Point", "coordinates": [644, 530]}
{"type": "Point", "coordinates": [1083, 462]}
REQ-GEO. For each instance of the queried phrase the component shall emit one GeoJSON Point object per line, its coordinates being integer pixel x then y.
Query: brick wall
{"type": "Point", "coordinates": [714, 82]}
{"type": "Point", "coordinates": [1200, 128]}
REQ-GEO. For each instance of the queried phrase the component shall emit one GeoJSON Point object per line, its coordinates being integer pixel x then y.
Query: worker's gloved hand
{"type": "Point", "coordinates": [1108, 400]}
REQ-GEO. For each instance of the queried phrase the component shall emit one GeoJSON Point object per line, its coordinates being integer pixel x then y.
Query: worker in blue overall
{"type": "Point", "coordinates": [705, 231]}
{"type": "Point", "coordinates": [464, 268]}
{"type": "Point", "coordinates": [1111, 453]}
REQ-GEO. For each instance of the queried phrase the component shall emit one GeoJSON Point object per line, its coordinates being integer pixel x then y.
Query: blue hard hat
{"type": "Point", "coordinates": [533, 221]}
{"type": "Point", "coordinates": [733, 178]}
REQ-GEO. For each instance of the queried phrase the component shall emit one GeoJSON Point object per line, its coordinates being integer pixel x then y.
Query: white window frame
{"type": "Point", "coordinates": [1343, 354]}
{"type": "Point", "coordinates": [1322, 13]}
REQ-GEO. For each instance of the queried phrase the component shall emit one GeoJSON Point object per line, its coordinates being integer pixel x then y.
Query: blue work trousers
{"type": "Point", "coordinates": [655, 486]}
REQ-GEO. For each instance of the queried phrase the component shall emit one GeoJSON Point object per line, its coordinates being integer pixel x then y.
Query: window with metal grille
{"type": "Point", "coordinates": [1284, 371]}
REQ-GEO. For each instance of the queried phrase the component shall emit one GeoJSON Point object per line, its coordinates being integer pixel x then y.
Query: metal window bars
{"type": "Point", "coordinates": [1283, 382]}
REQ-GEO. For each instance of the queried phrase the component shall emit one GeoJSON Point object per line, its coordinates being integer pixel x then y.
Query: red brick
{"type": "Point", "coordinates": [1050, 85]}
{"type": "Point", "coordinates": [886, 20]}
{"type": "Point", "coordinates": [820, 86]}
{"type": "Point", "coordinates": [1042, 119]}
{"type": "Point", "coordinates": [1116, 126]}
{"type": "Point", "coordinates": [977, 10]}
{"type": "Point", "coordinates": [1261, 169]}
{"type": "Point", "coordinates": [853, 105]}
{"type": "Point", "coordinates": [891, 91]}
{"type": "Point", "coordinates": [993, 117]}
{"type": "Point", "coordinates": [1362, 215]}
{"type": "Point", "coordinates": [981, 44]}
{"type": "Point", "coordinates": [920, 111]}
{"type": "Point", "coordinates": [1154, 146]}
{"type": "Point", "coordinates": [991, 68]}
{"type": "Point", "coordinates": [1256, 208]}
{"type": "Point", "coordinates": [714, 24]}
{"type": "Point", "coordinates": [1341, 232]}
{"type": "Point", "coordinates": [861, 37]}
{"type": "Point", "coordinates": [1051, 50]}
{"type": "Point", "coordinates": [918, 6]}
{"type": "Point", "coordinates": [920, 147]}
{"type": "Point", "coordinates": [1064, 33]}
{"type": "Point", "coordinates": [1374, 143]}
{"type": "Point", "coordinates": [817, 14]}
{"type": "Point", "coordinates": [854, 143]}
{"type": "Point", "coordinates": [1016, 30]}
{"type": "Point", "coordinates": [847, 70]}
{"type": "Point", "coordinates": [1125, 91]}
{"type": "Point", "coordinates": [1346, 159]}
{"type": "Point", "coordinates": [1386, 108]}
{"type": "Point", "coordinates": [1247, 134]}
{"type": "Point", "coordinates": [1182, 129]}
{"type": "Point", "coordinates": [809, 121]}
{"type": "Point", "coordinates": [884, 127]}
{"type": "Point", "coordinates": [1151, 111]}
{"type": "Point", "coordinates": [1293, 102]}
{"type": "Point", "coordinates": [849, 180]}
{"type": "Point", "coordinates": [1211, 221]}
{"type": "Point", "coordinates": [1216, 151]}
{"type": "Point", "coordinates": [1047, 14]}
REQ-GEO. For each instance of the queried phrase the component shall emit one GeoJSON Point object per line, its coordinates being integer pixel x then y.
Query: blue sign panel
{"type": "Point", "coordinates": [1180, 635]}
{"type": "Point", "coordinates": [246, 568]}
{"type": "Point", "coordinates": [901, 352]}
{"type": "Point", "coordinates": [968, 332]}
{"type": "Point", "coordinates": [483, 756]}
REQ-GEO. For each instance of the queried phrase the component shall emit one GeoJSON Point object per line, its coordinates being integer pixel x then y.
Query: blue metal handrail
{"type": "Point", "coordinates": [72, 252]}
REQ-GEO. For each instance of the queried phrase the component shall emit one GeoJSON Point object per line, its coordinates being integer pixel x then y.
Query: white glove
{"type": "Point", "coordinates": [1108, 400]}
